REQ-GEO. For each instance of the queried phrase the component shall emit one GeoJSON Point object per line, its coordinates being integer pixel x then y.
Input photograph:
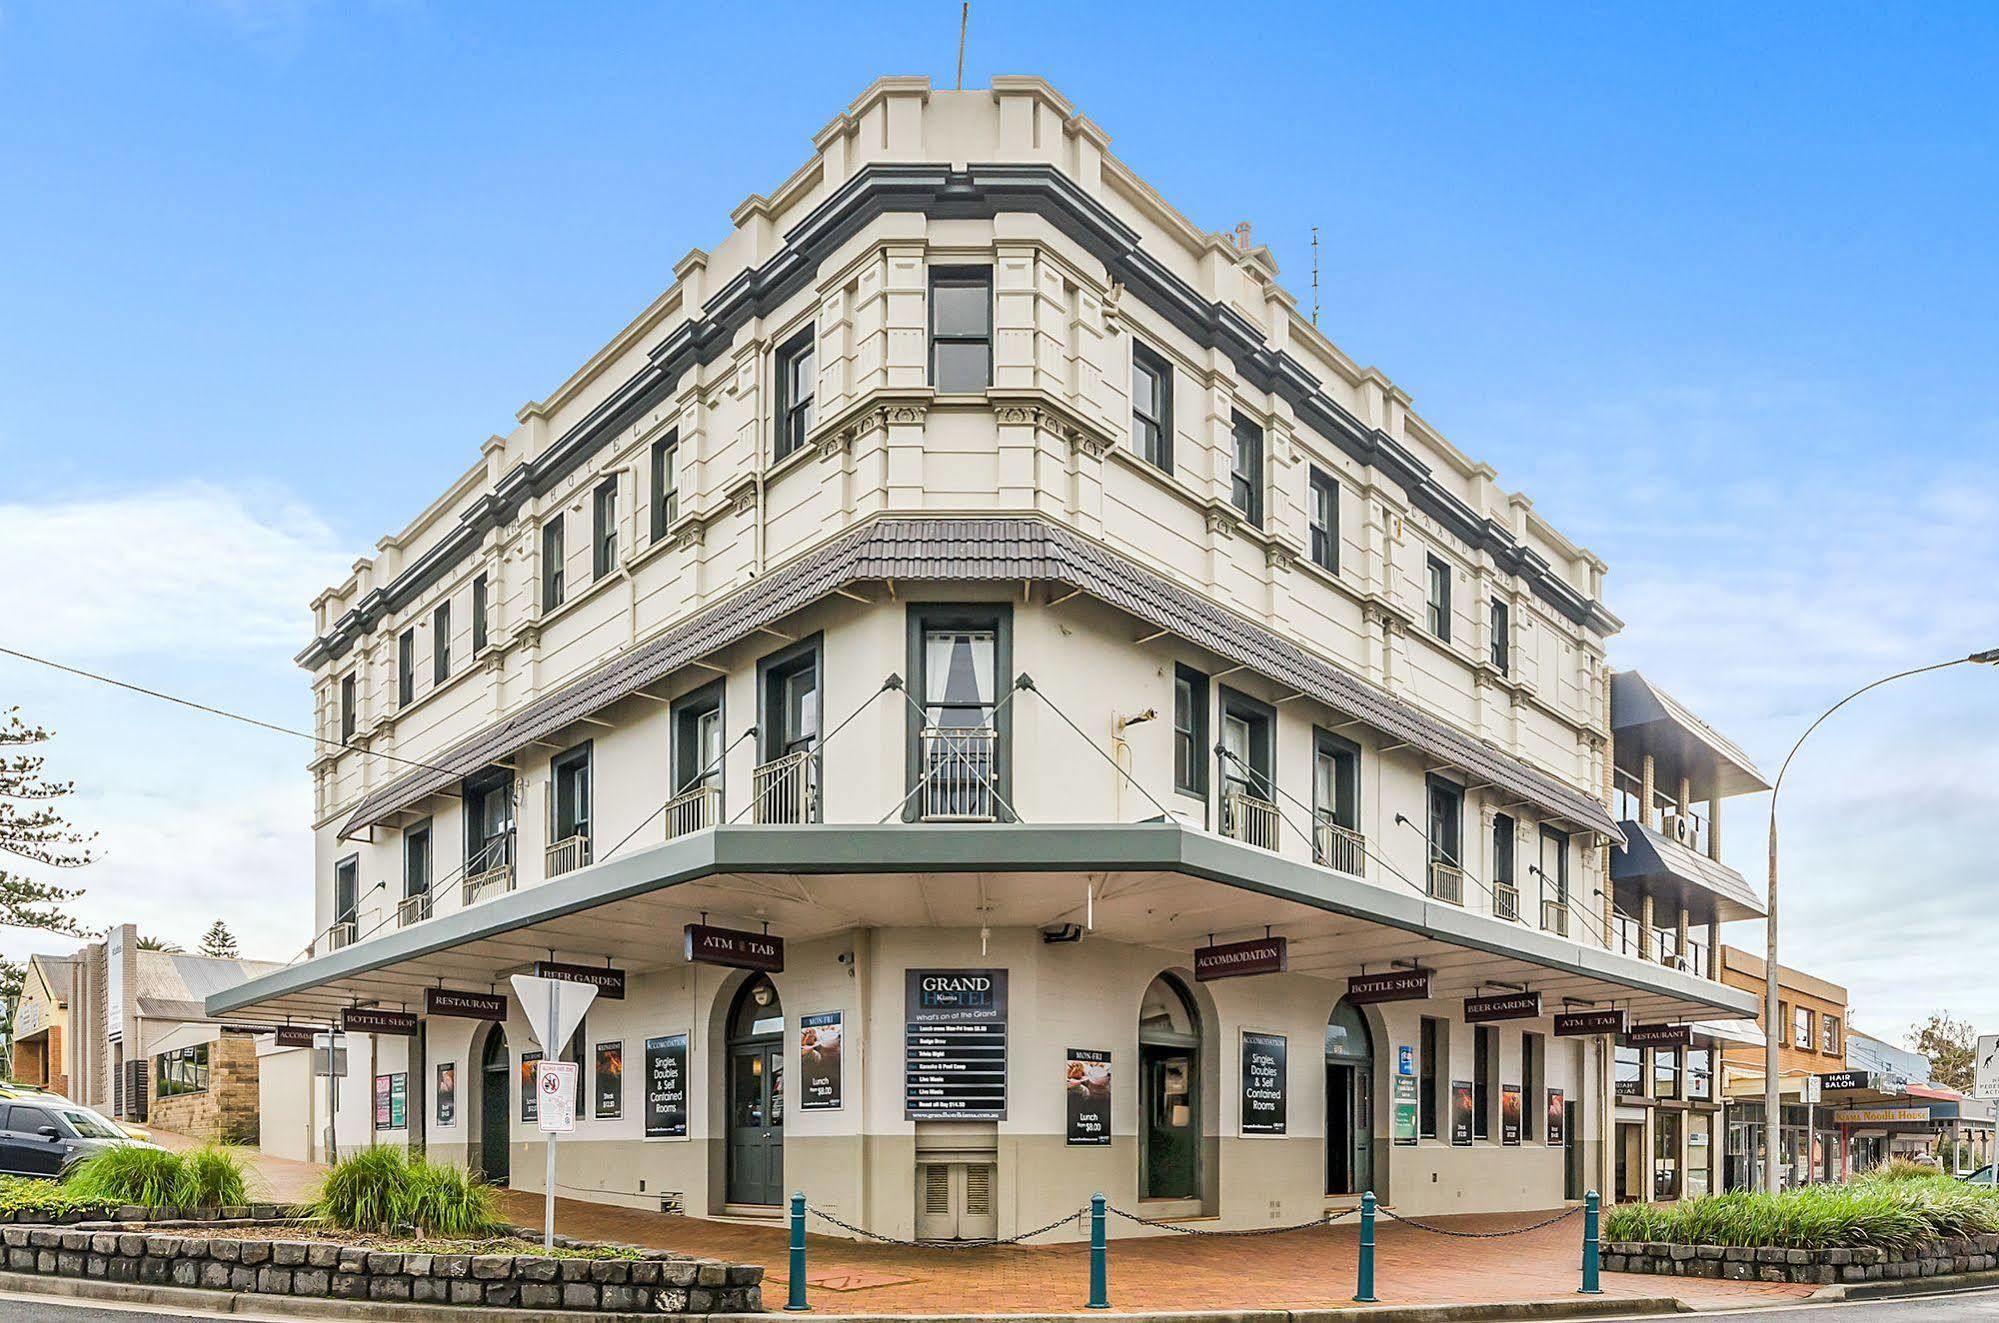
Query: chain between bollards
{"type": "Point", "coordinates": [795, 1294]}
{"type": "Point", "coordinates": [1100, 1296]}
{"type": "Point", "coordinates": [1589, 1286]}
{"type": "Point", "coordinates": [1364, 1286]}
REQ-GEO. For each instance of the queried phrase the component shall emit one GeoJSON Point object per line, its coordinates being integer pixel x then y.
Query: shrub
{"type": "Point", "coordinates": [1903, 1169]}
{"type": "Point", "coordinates": [20, 1195]}
{"type": "Point", "coordinates": [383, 1189]}
{"type": "Point", "coordinates": [205, 1177]}
{"type": "Point", "coordinates": [1892, 1212]}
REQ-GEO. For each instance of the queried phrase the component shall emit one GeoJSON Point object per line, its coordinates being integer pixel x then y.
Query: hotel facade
{"type": "Point", "coordinates": [1003, 709]}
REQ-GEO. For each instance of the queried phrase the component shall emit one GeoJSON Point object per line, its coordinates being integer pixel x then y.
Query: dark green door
{"type": "Point", "coordinates": [494, 1076]}
{"type": "Point", "coordinates": [756, 1123]}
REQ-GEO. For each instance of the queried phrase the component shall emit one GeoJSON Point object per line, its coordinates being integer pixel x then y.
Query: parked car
{"type": "Point", "coordinates": [1983, 1176]}
{"type": "Point", "coordinates": [47, 1135]}
{"type": "Point", "coordinates": [10, 1090]}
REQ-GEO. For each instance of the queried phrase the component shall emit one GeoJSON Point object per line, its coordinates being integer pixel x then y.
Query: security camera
{"type": "Point", "coordinates": [846, 957]}
{"type": "Point", "coordinates": [1062, 932]}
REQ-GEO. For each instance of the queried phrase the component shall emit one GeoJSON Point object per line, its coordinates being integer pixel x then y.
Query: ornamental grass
{"type": "Point", "coordinates": [384, 1190]}
{"type": "Point", "coordinates": [1890, 1211]}
{"type": "Point", "coordinates": [210, 1176]}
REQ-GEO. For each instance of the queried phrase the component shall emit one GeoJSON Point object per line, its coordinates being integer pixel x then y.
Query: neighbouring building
{"type": "Point", "coordinates": [1886, 1105]}
{"type": "Point", "coordinates": [41, 1024]}
{"type": "Point", "coordinates": [1002, 708]}
{"type": "Point", "coordinates": [146, 1049]}
{"type": "Point", "coordinates": [1811, 1024]}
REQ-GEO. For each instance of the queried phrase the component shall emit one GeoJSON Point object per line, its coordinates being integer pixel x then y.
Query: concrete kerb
{"type": "Point", "coordinates": [251, 1305]}
{"type": "Point", "coordinates": [1908, 1286]}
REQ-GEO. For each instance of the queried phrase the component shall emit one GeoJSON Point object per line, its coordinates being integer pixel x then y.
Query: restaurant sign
{"type": "Point", "coordinates": [735, 948]}
{"type": "Point", "coordinates": [1259, 955]}
{"type": "Point", "coordinates": [1509, 1006]}
{"type": "Point", "coordinates": [1582, 1024]}
{"type": "Point", "coordinates": [1658, 1035]}
{"type": "Point", "coordinates": [1395, 985]}
{"type": "Point", "coordinates": [1879, 1115]}
{"type": "Point", "coordinates": [465, 1005]}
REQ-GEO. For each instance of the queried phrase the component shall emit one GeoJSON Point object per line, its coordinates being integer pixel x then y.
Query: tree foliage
{"type": "Point", "coordinates": [32, 830]}
{"type": "Point", "coordinates": [146, 943]}
{"type": "Point", "coordinates": [218, 941]}
{"type": "Point", "coordinates": [1951, 1045]}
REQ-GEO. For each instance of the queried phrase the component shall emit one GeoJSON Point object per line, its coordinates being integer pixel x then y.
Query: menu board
{"type": "Point", "coordinates": [391, 1101]}
{"type": "Point", "coordinates": [1405, 1110]}
{"type": "Point", "coordinates": [819, 1058]}
{"type": "Point", "coordinates": [610, 1080]}
{"type": "Point", "coordinates": [529, 1103]}
{"type": "Point", "coordinates": [1263, 1084]}
{"type": "Point", "coordinates": [954, 1045]}
{"type": "Point", "coordinates": [1087, 1084]}
{"type": "Point", "coordinates": [447, 1093]}
{"type": "Point", "coordinates": [666, 1087]}
{"type": "Point", "coordinates": [1556, 1117]}
{"type": "Point", "coordinates": [1461, 1111]}
{"type": "Point", "coordinates": [381, 1102]}
{"type": "Point", "coordinates": [1509, 1114]}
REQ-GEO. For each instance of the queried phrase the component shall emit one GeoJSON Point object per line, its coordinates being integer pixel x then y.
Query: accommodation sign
{"type": "Point", "coordinates": [1395, 985]}
{"type": "Point", "coordinates": [1510, 1006]}
{"type": "Point", "coordinates": [666, 1087]}
{"type": "Point", "coordinates": [1259, 955]}
{"type": "Point", "coordinates": [297, 1035]}
{"type": "Point", "coordinates": [735, 948]}
{"type": "Point", "coordinates": [465, 1005]}
{"type": "Point", "coordinates": [954, 1044]}
{"type": "Point", "coordinates": [1658, 1035]}
{"type": "Point", "coordinates": [610, 983]}
{"type": "Point", "coordinates": [1264, 1100]}
{"type": "Point", "coordinates": [367, 1020]}
{"type": "Point", "coordinates": [1583, 1024]}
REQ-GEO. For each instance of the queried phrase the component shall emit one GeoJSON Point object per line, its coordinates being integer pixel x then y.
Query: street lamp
{"type": "Point", "coordinates": [1773, 1035]}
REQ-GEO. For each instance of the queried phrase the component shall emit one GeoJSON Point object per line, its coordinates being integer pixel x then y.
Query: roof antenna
{"type": "Point", "coordinates": [964, 21]}
{"type": "Point", "coordinates": [1315, 276]}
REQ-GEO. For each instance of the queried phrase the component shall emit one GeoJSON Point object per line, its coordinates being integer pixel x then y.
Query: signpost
{"type": "Point", "coordinates": [554, 1007]}
{"type": "Point", "coordinates": [1985, 1083]}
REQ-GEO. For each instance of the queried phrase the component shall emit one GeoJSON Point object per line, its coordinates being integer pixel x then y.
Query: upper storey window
{"type": "Point", "coordinates": [551, 564]}
{"type": "Point", "coordinates": [1438, 604]}
{"type": "Point", "coordinates": [665, 485]}
{"type": "Point", "coordinates": [1246, 470]}
{"type": "Point", "coordinates": [1502, 640]}
{"type": "Point", "coordinates": [961, 329]}
{"type": "Point", "coordinates": [347, 717]}
{"type": "Point", "coordinates": [604, 530]}
{"type": "Point", "coordinates": [1325, 521]}
{"type": "Point", "coordinates": [440, 643]}
{"type": "Point", "coordinates": [796, 382]}
{"type": "Point", "coordinates": [479, 615]}
{"type": "Point", "coordinates": [1151, 407]}
{"type": "Point", "coordinates": [406, 667]}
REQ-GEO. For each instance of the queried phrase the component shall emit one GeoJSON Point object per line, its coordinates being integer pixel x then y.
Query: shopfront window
{"type": "Point", "coordinates": [1700, 1153]}
{"type": "Point", "coordinates": [1666, 1073]}
{"type": "Point", "coordinates": [1630, 1072]}
{"type": "Point", "coordinates": [1700, 1074]}
{"type": "Point", "coordinates": [1665, 1154]}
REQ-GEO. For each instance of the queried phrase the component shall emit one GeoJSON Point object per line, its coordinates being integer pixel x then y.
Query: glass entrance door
{"type": "Point", "coordinates": [756, 1124]}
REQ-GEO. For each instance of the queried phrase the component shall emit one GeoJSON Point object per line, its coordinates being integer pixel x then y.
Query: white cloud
{"type": "Point", "coordinates": [191, 569]}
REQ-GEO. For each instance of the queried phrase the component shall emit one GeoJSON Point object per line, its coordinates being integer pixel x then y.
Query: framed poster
{"type": "Point", "coordinates": [382, 1102]}
{"type": "Point", "coordinates": [1405, 1110]}
{"type": "Point", "coordinates": [1087, 1084]}
{"type": "Point", "coordinates": [954, 1045]}
{"type": "Point", "coordinates": [1556, 1116]}
{"type": "Point", "coordinates": [1263, 1083]}
{"type": "Point", "coordinates": [529, 1104]}
{"type": "Point", "coordinates": [447, 1093]}
{"type": "Point", "coordinates": [610, 1080]}
{"type": "Point", "coordinates": [666, 1087]}
{"type": "Point", "coordinates": [399, 1100]}
{"type": "Point", "coordinates": [819, 1059]}
{"type": "Point", "coordinates": [1509, 1114]}
{"type": "Point", "coordinates": [1461, 1112]}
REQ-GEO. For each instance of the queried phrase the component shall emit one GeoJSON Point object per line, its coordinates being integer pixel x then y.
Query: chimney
{"type": "Point", "coordinates": [1242, 243]}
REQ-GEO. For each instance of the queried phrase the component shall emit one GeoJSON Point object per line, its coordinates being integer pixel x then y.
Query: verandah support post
{"type": "Point", "coordinates": [795, 1291]}
{"type": "Point", "coordinates": [1589, 1286]}
{"type": "Point", "coordinates": [1100, 1297]}
{"type": "Point", "coordinates": [1364, 1287]}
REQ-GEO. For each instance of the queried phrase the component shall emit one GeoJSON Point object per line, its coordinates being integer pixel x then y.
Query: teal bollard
{"type": "Point", "coordinates": [1589, 1286]}
{"type": "Point", "coordinates": [1100, 1286]}
{"type": "Point", "coordinates": [795, 1295]}
{"type": "Point", "coordinates": [1364, 1287]}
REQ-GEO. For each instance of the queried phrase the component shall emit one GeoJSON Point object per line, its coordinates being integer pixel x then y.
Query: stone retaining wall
{"type": "Point", "coordinates": [192, 1255]}
{"type": "Point", "coordinates": [1776, 1264]}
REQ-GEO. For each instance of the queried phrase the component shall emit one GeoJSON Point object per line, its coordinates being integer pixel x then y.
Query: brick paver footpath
{"type": "Point", "coordinates": [1292, 1270]}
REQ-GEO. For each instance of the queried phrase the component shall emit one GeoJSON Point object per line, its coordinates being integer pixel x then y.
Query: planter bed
{"type": "Point", "coordinates": [1769, 1263]}
{"type": "Point", "coordinates": [278, 1256]}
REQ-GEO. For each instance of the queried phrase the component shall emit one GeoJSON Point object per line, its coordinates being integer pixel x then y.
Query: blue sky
{"type": "Point", "coordinates": [1713, 284]}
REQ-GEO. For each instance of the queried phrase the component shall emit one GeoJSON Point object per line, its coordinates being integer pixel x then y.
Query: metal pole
{"type": "Point", "coordinates": [1363, 1293]}
{"type": "Point", "coordinates": [551, 1052]}
{"type": "Point", "coordinates": [795, 1288]}
{"type": "Point", "coordinates": [1590, 1285]}
{"type": "Point", "coordinates": [1100, 1297]}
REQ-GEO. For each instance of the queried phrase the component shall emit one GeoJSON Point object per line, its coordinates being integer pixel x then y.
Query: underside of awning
{"type": "Point", "coordinates": [1155, 884]}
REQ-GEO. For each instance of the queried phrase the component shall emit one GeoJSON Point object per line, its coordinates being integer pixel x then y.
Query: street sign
{"type": "Point", "coordinates": [1986, 1084]}
{"type": "Point", "coordinates": [555, 1087]}
{"type": "Point", "coordinates": [543, 998]}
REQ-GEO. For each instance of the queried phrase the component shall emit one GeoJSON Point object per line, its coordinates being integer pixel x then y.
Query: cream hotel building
{"type": "Point", "coordinates": [1168, 767]}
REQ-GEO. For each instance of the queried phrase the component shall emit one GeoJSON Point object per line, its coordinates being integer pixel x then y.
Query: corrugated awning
{"type": "Point", "coordinates": [1650, 856]}
{"type": "Point", "coordinates": [984, 550]}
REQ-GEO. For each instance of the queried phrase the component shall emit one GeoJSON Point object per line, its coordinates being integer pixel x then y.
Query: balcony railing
{"type": "Point", "coordinates": [1506, 901]}
{"type": "Point", "coordinates": [344, 933]}
{"type": "Point", "coordinates": [785, 789]}
{"type": "Point", "coordinates": [566, 855]}
{"type": "Point", "coordinates": [1249, 819]}
{"type": "Point", "coordinates": [958, 770]}
{"type": "Point", "coordinates": [693, 810]}
{"type": "Point", "coordinates": [494, 881]}
{"type": "Point", "coordinates": [1447, 882]}
{"type": "Point", "coordinates": [1555, 917]}
{"type": "Point", "coordinates": [1341, 849]}
{"type": "Point", "coordinates": [414, 909]}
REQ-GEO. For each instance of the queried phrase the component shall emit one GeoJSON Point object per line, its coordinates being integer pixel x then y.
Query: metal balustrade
{"type": "Point", "coordinates": [1249, 819]}
{"type": "Point", "coordinates": [1555, 917]}
{"type": "Point", "coordinates": [693, 810]}
{"type": "Point", "coordinates": [344, 933]}
{"type": "Point", "coordinates": [1506, 900]}
{"type": "Point", "coordinates": [494, 881]}
{"type": "Point", "coordinates": [566, 855]}
{"type": "Point", "coordinates": [1341, 849]}
{"type": "Point", "coordinates": [958, 770]}
{"type": "Point", "coordinates": [1447, 882]}
{"type": "Point", "coordinates": [785, 789]}
{"type": "Point", "coordinates": [414, 909]}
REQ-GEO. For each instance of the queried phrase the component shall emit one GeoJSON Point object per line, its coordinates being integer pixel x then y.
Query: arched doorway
{"type": "Point", "coordinates": [1169, 1092]}
{"type": "Point", "coordinates": [1349, 1101]}
{"type": "Point", "coordinates": [495, 1075]}
{"type": "Point", "coordinates": [755, 1075]}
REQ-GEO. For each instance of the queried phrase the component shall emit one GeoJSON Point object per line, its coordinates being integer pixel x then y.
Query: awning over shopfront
{"type": "Point", "coordinates": [1155, 884]}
